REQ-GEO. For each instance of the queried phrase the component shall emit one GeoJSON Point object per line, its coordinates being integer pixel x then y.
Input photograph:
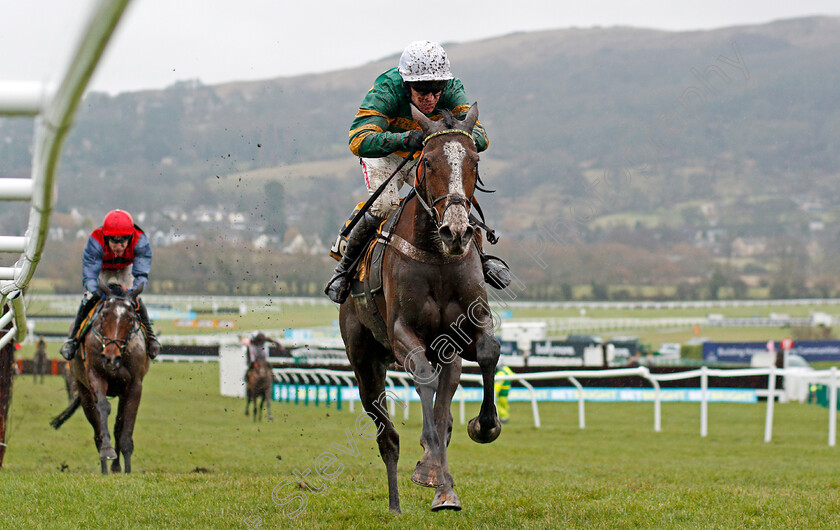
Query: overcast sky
{"type": "Point", "coordinates": [159, 42]}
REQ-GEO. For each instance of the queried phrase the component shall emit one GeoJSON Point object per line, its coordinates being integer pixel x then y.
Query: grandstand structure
{"type": "Point", "coordinates": [52, 106]}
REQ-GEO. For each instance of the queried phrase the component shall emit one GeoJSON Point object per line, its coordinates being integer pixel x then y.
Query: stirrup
{"type": "Point", "coordinates": [496, 272]}
{"type": "Point", "coordinates": [152, 348]}
{"type": "Point", "coordinates": [338, 288]}
{"type": "Point", "coordinates": [69, 348]}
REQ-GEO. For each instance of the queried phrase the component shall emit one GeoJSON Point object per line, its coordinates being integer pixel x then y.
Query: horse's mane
{"type": "Point", "coordinates": [448, 119]}
{"type": "Point", "coordinates": [117, 292]}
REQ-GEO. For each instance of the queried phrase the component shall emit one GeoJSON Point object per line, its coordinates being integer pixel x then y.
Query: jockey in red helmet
{"type": "Point", "coordinates": [117, 252]}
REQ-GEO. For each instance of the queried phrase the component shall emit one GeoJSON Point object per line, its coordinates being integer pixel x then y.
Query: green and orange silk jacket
{"type": "Point", "coordinates": [384, 117]}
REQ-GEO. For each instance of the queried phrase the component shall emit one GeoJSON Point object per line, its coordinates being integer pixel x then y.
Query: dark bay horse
{"type": "Point", "coordinates": [258, 385]}
{"type": "Point", "coordinates": [434, 304]}
{"type": "Point", "coordinates": [112, 361]}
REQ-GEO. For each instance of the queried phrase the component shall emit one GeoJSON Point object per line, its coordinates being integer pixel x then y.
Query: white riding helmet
{"type": "Point", "coordinates": [424, 61]}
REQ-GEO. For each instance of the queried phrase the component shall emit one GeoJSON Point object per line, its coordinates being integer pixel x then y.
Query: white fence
{"type": "Point", "coordinates": [53, 110]}
{"type": "Point", "coordinates": [345, 378]}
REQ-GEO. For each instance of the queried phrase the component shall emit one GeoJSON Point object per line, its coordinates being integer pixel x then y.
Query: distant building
{"type": "Point", "coordinates": [299, 245]}
{"type": "Point", "coordinates": [746, 247]}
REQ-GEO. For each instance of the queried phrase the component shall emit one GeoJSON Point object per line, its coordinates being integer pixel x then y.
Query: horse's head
{"type": "Point", "coordinates": [117, 324]}
{"type": "Point", "coordinates": [447, 175]}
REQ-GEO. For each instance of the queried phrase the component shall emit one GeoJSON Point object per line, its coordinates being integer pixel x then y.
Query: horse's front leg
{"type": "Point", "coordinates": [410, 351]}
{"type": "Point", "coordinates": [486, 426]}
{"type": "Point", "coordinates": [99, 391]}
{"type": "Point", "coordinates": [92, 415]}
{"type": "Point", "coordinates": [450, 377]}
{"type": "Point", "coordinates": [126, 418]}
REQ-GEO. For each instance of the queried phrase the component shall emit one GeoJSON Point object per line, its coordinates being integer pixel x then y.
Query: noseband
{"type": "Point", "coordinates": [452, 199]}
{"type": "Point", "coordinates": [122, 344]}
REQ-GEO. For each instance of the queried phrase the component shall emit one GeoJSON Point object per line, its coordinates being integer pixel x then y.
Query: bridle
{"type": "Point", "coordinates": [122, 344]}
{"type": "Point", "coordinates": [452, 199]}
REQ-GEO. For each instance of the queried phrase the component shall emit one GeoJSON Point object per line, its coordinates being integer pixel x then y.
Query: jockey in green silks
{"type": "Point", "coordinates": [384, 132]}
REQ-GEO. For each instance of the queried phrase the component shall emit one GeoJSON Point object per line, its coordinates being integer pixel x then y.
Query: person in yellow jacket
{"type": "Point", "coordinates": [502, 389]}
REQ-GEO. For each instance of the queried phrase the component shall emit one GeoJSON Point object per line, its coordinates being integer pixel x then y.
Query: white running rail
{"type": "Point", "coordinates": [53, 109]}
{"type": "Point", "coordinates": [829, 377]}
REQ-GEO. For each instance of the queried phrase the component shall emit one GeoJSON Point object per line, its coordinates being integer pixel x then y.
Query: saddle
{"type": "Point", "coordinates": [366, 274]}
{"type": "Point", "coordinates": [367, 278]}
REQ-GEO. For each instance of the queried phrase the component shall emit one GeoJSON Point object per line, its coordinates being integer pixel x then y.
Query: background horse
{"type": "Point", "coordinates": [259, 381]}
{"type": "Point", "coordinates": [434, 304]}
{"type": "Point", "coordinates": [39, 362]}
{"type": "Point", "coordinates": [112, 361]}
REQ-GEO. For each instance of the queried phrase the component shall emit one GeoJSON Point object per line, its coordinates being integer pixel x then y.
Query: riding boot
{"type": "Point", "coordinates": [496, 271]}
{"type": "Point", "coordinates": [152, 344]}
{"type": "Point", "coordinates": [338, 288]}
{"type": "Point", "coordinates": [69, 348]}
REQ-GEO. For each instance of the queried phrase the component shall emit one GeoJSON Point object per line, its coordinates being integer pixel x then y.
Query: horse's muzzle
{"type": "Point", "coordinates": [111, 363]}
{"type": "Point", "coordinates": [455, 241]}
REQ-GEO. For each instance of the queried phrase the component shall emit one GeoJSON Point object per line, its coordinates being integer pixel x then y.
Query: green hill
{"type": "Point", "coordinates": [594, 132]}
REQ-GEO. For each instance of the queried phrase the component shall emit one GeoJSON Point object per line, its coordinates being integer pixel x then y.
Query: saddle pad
{"type": "Point", "coordinates": [370, 269]}
{"type": "Point", "coordinates": [83, 328]}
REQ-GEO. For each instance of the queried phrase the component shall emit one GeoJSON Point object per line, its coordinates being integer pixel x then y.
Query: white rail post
{"type": "Point", "coordinates": [832, 408]}
{"type": "Point", "coordinates": [771, 398]}
{"type": "Point", "coordinates": [581, 405]}
{"type": "Point", "coordinates": [534, 406]}
{"type": "Point", "coordinates": [657, 407]}
{"type": "Point", "coordinates": [704, 401]}
{"type": "Point", "coordinates": [463, 405]}
{"type": "Point", "coordinates": [407, 397]}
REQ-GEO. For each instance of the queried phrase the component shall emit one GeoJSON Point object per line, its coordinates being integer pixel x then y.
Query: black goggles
{"type": "Point", "coordinates": [119, 240]}
{"type": "Point", "coordinates": [428, 87]}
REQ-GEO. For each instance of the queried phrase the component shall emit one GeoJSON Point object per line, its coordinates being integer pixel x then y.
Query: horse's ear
{"type": "Point", "coordinates": [136, 292]}
{"type": "Point", "coordinates": [103, 287]}
{"type": "Point", "coordinates": [472, 117]}
{"type": "Point", "coordinates": [424, 122]}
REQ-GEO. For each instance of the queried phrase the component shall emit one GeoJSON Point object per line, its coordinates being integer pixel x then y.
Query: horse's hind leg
{"type": "Point", "coordinates": [267, 399]}
{"type": "Point", "coordinates": [371, 379]}
{"type": "Point", "coordinates": [367, 358]}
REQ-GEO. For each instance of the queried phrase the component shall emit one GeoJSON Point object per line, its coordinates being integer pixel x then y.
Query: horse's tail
{"type": "Point", "coordinates": [59, 420]}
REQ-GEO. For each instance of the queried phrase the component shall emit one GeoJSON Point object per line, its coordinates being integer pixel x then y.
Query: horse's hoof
{"type": "Point", "coordinates": [425, 476]}
{"type": "Point", "coordinates": [270, 417]}
{"type": "Point", "coordinates": [445, 499]}
{"type": "Point", "coordinates": [107, 453]}
{"type": "Point", "coordinates": [483, 437]}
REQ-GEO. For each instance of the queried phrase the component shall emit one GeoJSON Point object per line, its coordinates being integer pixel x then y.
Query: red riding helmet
{"type": "Point", "coordinates": [118, 223]}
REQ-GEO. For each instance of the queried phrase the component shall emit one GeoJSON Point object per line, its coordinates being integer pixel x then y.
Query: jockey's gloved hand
{"type": "Point", "coordinates": [413, 140]}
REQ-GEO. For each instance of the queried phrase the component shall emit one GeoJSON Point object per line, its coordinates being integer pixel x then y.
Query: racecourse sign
{"type": "Point", "coordinates": [742, 352]}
